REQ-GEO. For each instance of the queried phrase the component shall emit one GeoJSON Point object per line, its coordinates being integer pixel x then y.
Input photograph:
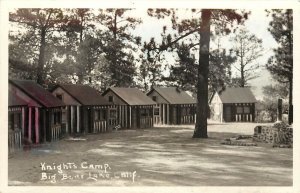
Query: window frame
{"type": "Point", "coordinates": [154, 98]}
{"type": "Point", "coordinates": [111, 98]}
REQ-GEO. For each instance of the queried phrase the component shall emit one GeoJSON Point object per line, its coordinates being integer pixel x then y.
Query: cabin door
{"type": "Point", "coordinates": [227, 114]}
{"type": "Point", "coordinates": [112, 117]}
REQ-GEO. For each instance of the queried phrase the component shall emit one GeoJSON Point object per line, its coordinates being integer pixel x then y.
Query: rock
{"type": "Point", "coordinates": [283, 145]}
{"type": "Point", "coordinates": [279, 133]}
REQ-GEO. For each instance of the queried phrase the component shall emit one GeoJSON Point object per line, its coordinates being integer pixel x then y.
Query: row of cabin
{"type": "Point", "coordinates": [37, 115]}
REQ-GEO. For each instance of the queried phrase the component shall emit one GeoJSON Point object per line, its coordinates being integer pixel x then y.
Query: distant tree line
{"type": "Point", "coordinates": [97, 47]}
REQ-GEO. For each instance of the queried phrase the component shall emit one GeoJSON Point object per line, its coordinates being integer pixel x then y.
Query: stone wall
{"type": "Point", "coordinates": [279, 133]}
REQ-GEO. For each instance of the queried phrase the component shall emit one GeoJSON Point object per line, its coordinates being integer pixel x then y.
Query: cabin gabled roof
{"type": "Point", "coordinates": [14, 100]}
{"type": "Point", "coordinates": [237, 95]}
{"type": "Point", "coordinates": [37, 93]}
{"type": "Point", "coordinates": [131, 96]}
{"type": "Point", "coordinates": [84, 94]}
{"type": "Point", "coordinates": [173, 95]}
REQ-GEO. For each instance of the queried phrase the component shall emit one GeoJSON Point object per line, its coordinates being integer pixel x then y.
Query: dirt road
{"type": "Point", "coordinates": [166, 156]}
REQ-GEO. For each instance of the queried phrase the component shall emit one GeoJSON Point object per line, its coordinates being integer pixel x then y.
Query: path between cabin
{"type": "Point", "coordinates": [165, 156]}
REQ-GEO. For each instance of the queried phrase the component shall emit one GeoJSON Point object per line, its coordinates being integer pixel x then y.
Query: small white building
{"type": "Point", "coordinates": [233, 105]}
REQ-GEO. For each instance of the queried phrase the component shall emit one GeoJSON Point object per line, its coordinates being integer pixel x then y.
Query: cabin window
{"type": "Point", "coordinates": [156, 111]}
{"type": "Point", "coordinates": [247, 110]}
{"type": "Point", "coordinates": [11, 121]}
{"type": "Point", "coordinates": [59, 96]}
{"type": "Point", "coordinates": [96, 115]}
{"type": "Point", "coordinates": [239, 110]}
{"type": "Point", "coordinates": [110, 98]}
{"type": "Point", "coordinates": [56, 118]}
{"type": "Point", "coordinates": [103, 114]}
{"type": "Point", "coordinates": [144, 112]}
{"type": "Point", "coordinates": [113, 113]}
{"type": "Point", "coordinates": [17, 124]}
{"type": "Point", "coordinates": [188, 111]}
{"type": "Point", "coordinates": [192, 110]}
{"type": "Point", "coordinates": [64, 116]}
{"type": "Point", "coordinates": [14, 121]}
{"type": "Point", "coordinates": [154, 98]}
{"type": "Point", "coordinates": [183, 111]}
{"type": "Point", "coordinates": [100, 114]}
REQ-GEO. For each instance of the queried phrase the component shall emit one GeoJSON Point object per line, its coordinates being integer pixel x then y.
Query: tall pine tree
{"type": "Point", "coordinates": [247, 48]}
{"type": "Point", "coordinates": [41, 24]}
{"type": "Point", "coordinates": [281, 63]}
{"type": "Point", "coordinates": [221, 20]}
{"type": "Point", "coordinates": [120, 45]}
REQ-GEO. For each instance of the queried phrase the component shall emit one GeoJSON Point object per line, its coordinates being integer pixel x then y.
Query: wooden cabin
{"type": "Point", "coordinates": [41, 119]}
{"type": "Point", "coordinates": [16, 122]}
{"type": "Point", "coordinates": [233, 105]}
{"type": "Point", "coordinates": [135, 108]}
{"type": "Point", "coordinates": [87, 111]}
{"type": "Point", "coordinates": [174, 106]}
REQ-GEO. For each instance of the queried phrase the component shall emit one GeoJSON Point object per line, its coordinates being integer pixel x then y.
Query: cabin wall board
{"type": "Point", "coordinates": [116, 98]}
{"type": "Point", "coordinates": [159, 98]}
{"type": "Point", "coordinates": [24, 96]}
{"type": "Point", "coordinates": [67, 98]}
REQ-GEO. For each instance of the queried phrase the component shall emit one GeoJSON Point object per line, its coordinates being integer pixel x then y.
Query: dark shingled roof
{"type": "Point", "coordinates": [174, 95]}
{"type": "Point", "coordinates": [132, 96]}
{"type": "Point", "coordinates": [38, 93]}
{"type": "Point", "coordinates": [84, 94]}
{"type": "Point", "coordinates": [237, 95]}
{"type": "Point", "coordinates": [14, 100]}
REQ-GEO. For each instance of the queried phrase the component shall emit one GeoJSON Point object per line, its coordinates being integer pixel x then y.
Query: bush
{"type": "Point", "coordinates": [281, 125]}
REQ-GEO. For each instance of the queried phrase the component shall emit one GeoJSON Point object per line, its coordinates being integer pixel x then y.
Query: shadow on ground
{"type": "Point", "coordinates": [159, 156]}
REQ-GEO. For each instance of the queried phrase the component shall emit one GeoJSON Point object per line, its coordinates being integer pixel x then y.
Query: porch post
{"type": "Point", "coordinates": [67, 119]}
{"type": "Point", "coordinates": [163, 114]}
{"type": "Point", "coordinates": [71, 120]}
{"type": "Point", "coordinates": [120, 115]}
{"type": "Point", "coordinates": [37, 134]}
{"type": "Point", "coordinates": [23, 121]}
{"type": "Point", "coordinates": [253, 112]}
{"type": "Point", "coordinates": [78, 118]}
{"type": "Point", "coordinates": [29, 124]}
{"type": "Point", "coordinates": [129, 116]}
{"type": "Point", "coordinates": [44, 124]}
{"type": "Point", "coordinates": [126, 116]}
{"type": "Point", "coordinates": [92, 120]}
{"type": "Point", "coordinates": [168, 114]}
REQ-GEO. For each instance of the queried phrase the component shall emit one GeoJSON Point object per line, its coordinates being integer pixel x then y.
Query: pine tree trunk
{"type": "Point", "coordinates": [80, 73]}
{"type": "Point", "coordinates": [290, 117]}
{"type": "Point", "coordinates": [290, 40]}
{"type": "Point", "coordinates": [202, 86]}
{"type": "Point", "coordinates": [116, 75]}
{"type": "Point", "coordinates": [41, 61]}
{"type": "Point", "coordinates": [242, 78]}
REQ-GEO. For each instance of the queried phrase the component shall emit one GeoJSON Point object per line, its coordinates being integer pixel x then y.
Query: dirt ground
{"type": "Point", "coordinates": [160, 156]}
